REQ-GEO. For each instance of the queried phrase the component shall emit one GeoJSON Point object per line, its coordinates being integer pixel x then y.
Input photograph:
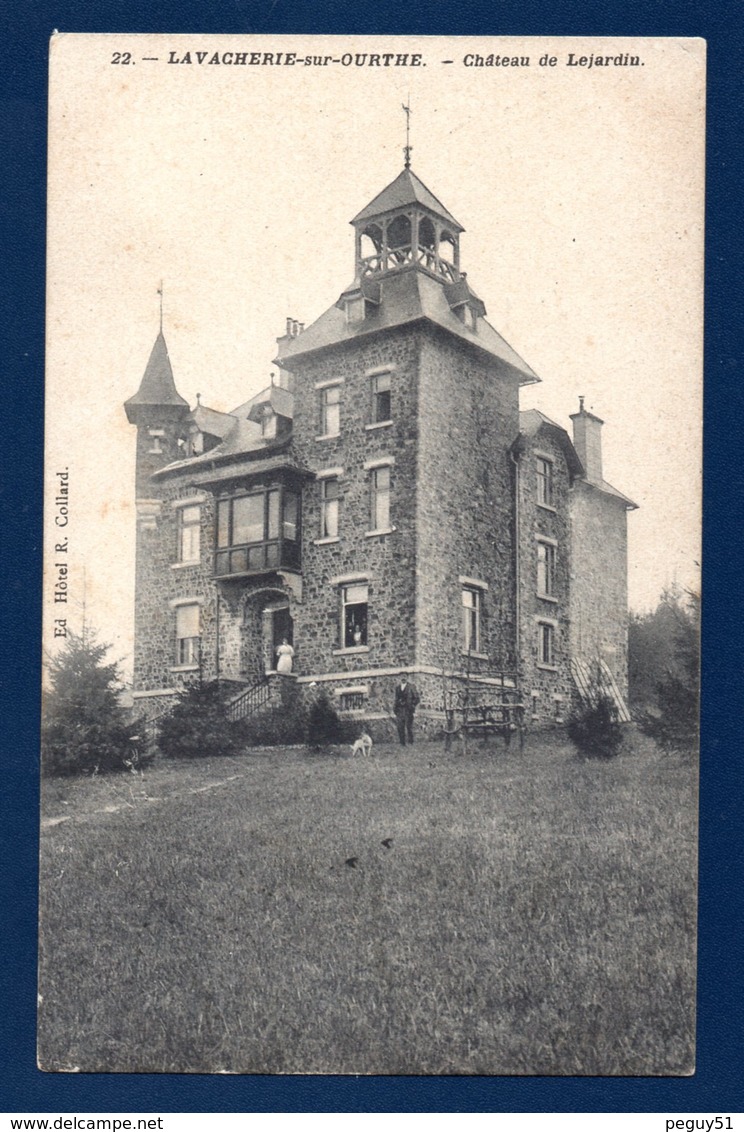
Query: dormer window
{"type": "Point", "coordinates": [269, 423]}
{"type": "Point", "coordinates": [195, 442]}
{"type": "Point", "coordinates": [356, 309]}
{"type": "Point", "coordinates": [466, 314]}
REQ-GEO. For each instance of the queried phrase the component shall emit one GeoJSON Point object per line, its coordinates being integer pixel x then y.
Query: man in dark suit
{"type": "Point", "coordinates": [406, 701]}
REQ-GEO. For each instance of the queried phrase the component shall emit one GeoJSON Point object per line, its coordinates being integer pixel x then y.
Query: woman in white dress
{"type": "Point", "coordinates": [284, 654]}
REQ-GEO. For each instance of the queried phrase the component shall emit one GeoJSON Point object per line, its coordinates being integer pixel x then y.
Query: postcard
{"type": "Point", "coordinates": [372, 555]}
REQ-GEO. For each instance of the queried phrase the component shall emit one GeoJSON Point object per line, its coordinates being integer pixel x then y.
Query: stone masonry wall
{"type": "Point", "coordinates": [468, 418]}
{"type": "Point", "coordinates": [388, 560]}
{"type": "Point", "coordinates": [548, 691]}
{"type": "Point", "coordinates": [162, 581]}
{"type": "Point", "coordinates": [599, 603]}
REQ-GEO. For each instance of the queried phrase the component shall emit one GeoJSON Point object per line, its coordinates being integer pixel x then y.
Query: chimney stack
{"type": "Point", "coordinates": [293, 329]}
{"type": "Point", "coordinates": [587, 438]}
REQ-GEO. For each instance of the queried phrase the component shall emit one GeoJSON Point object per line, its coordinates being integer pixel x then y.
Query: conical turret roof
{"type": "Point", "coordinates": [157, 386]}
{"type": "Point", "coordinates": [406, 189]}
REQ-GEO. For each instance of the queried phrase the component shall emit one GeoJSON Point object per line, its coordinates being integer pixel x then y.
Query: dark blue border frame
{"type": "Point", "coordinates": [717, 1084]}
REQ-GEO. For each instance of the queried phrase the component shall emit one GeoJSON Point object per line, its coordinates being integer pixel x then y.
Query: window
{"type": "Point", "coordinates": [189, 523]}
{"type": "Point", "coordinates": [466, 314]}
{"type": "Point", "coordinates": [545, 643]}
{"type": "Point", "coordinates": [195, 442]}
{"type": "Point", "coordinates": [187, 634]}
{"type": "Point", "coordinates": [544, 481]}
{"type": "Point", "coordinates": [471, 619]}
{"type": "Point", "coordinates": [156, 437]}
{"type": "Point", "coordinates": [290, 518]}
{"type": "Point", "coordinates": [257, 531]}
{"type": "Point", "coordinates": [354, 615]}
{"type": "Point", "coordinates": [329, 507]}
{"type": "Point", "coordinates": [356, 309]}
{"type": "Point", "coordinates": [268, 423]}
{"type": "Point", "coordinates": [352, 701]}
{"type": "Point", "coordinates": [330, 410]}
{"type": "Point", "coordinates": [545, 569]}
{"type": "Point", "coordinates": [381, 403]}
{"type": "Point", "coordinates": [380, 493]}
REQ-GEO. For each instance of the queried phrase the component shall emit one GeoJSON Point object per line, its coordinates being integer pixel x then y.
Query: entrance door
{"type": "Point", "coordinates": [282, 626]}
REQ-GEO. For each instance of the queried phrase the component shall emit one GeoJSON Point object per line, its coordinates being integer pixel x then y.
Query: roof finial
{"type": "Point", "coordinates": [160, 292]}
{"type": "Point", "coordinates": [408, 147]}
{"type": "Point", "coordinates": [581, 404]}
{"type": "Point", "coordinates": [198, 400]}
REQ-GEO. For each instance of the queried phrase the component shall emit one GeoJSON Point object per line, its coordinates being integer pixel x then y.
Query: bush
{"type": "Point", "coordinates": [324, 727]}
{"type": "Point", "coordinates": [198, 726]}
{"type": "Point", "coordinates": [595, 729]}
{"type": "Point", "coordinates": [84, 727]}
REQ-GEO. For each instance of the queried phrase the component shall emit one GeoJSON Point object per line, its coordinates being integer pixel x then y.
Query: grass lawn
{"type": "Point", "coordinates": [533, 913]}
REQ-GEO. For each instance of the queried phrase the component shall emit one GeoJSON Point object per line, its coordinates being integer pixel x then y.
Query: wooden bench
{"type": "Point", "coordinates": [486, 719]}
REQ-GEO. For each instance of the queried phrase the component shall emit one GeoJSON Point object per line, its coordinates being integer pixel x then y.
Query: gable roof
{"type": "Point", "coordinates": [405, 189]}
{"type": "Point", "coordinates": [406, 297]}
{"type": "Point", "coordinates": [157, 386]}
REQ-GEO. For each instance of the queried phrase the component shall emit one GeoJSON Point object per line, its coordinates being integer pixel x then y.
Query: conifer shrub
{"type": "Point", "coordinates": [85, 730]}
{"type": "Point", "coordinates": [198, 726]}
{"type": "Point", "coordinates": [324, 725]}
{"type": "Point", "coordinates": [595, 730]}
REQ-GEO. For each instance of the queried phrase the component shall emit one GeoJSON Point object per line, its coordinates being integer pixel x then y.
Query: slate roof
{"type": "Point", "coordinates": [206, 473]}
{"type": "Point", "coordinates": [531, 421]}
{"type": "Point", "coordinates": [406, 297]}
{"type": "Point", "coordinates": [212, 421]}
{"type": "Point", "coordinates": [405, 189]}
{"type": "Point", "coordinates": [157, 386]}
{"type": "Point", "coordinates": [608, 489]}
{"type": "Point", "coordinates": [280, 399]}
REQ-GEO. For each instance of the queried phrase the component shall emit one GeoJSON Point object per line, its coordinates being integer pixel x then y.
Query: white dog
{"type": "Point", "coordinates": [363, 745]}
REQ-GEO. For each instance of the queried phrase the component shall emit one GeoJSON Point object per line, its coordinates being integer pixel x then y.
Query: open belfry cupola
{"type": "Point", "coordinates": [406, 226]}
{"type": "Point", "coordinates": [407, 269]}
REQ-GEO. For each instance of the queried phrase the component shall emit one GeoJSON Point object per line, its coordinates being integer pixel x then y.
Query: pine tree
{"type": "Point", "coordinates": [84, 727]}
{"type": "Point", "coordinates": [675, 722]}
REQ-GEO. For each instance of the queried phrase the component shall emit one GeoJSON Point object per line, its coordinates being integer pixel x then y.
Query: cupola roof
{"type": "Point", "coordinates": [405, 190]}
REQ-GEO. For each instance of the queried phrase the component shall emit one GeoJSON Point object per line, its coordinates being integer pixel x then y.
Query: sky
{"type": "Point", "coordinates": [580, 190]}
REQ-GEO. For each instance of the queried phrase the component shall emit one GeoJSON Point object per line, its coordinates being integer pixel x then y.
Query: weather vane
{"type": "Point", "coordinates": [408, 147]}
{"type": "Point", "coordinates": [160, 292]}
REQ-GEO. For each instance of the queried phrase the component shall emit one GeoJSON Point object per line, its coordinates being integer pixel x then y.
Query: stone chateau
{"type": "Point", "coordinates": [384, 506]}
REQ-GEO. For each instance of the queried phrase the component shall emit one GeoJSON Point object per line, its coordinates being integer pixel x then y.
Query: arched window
{"type": "Point", "coordinates": [427, 235]}
{"type": "Point", "coordinates": [371, 241]}
{"type": "Point", "coordinates": [447, 245]}
{"type": "Point", "coordinates": [399, 232]}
